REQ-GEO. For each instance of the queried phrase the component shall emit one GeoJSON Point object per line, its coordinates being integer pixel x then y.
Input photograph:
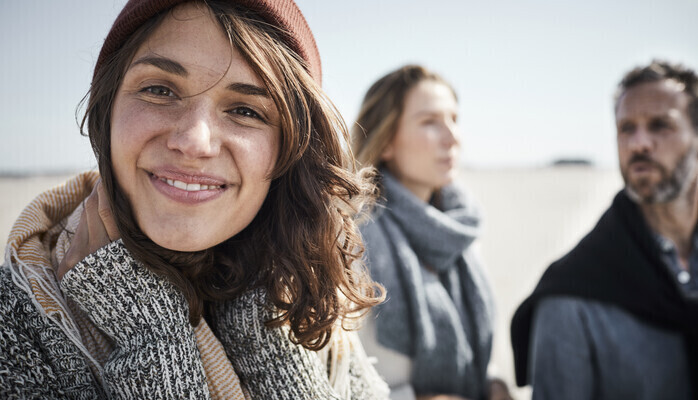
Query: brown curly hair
{"type": "Point", "coordinates": [303, 246]}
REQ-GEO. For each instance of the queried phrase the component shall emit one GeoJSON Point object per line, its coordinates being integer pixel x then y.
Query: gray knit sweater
{"type": "Point", "coordinates": [155, 353]}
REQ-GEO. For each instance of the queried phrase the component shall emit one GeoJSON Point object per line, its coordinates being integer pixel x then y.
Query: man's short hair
{"type": "Point", "coordinates": [659, 70]}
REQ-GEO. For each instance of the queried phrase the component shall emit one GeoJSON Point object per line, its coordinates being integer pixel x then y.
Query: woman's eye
{"type": "Point", "coordinates": [161, 91]}
{"type": "Point", "coordinates": [245, 112]}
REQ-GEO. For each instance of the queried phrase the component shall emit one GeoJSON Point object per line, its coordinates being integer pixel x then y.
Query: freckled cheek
{"type": "Point", "coordinates": [268, 155]}
{"type": "Point", "coordinates": [254, 156]}
{"type": "Point", "coordinates": [134, 124]}
{"type": "Point", "coordinates": [120, 143]}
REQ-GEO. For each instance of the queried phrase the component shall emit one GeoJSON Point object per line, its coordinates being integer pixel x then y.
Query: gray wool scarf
{"type": "Point", "coordinates": [439, 309]}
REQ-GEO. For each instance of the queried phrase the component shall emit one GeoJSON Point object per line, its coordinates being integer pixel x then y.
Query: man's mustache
{"type": "Point", "coordinates": [643, 158]}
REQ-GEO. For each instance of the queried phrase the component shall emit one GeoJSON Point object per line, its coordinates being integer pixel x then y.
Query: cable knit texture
{"type": "Point", "coordinates": [144, 315]}
{"type": "Point", "coordinates": [267, 361]}
{"type": "Point", "coordinates": [37, 361]}
{"type": "Point", "coordinates": [155, 354]}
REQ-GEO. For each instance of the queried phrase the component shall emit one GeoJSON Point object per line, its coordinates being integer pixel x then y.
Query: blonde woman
{"type": "Point", "coordinates": [433, 335]}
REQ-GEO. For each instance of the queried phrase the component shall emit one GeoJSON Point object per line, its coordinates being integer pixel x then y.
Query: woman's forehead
{"type": "Point", "coordinates": [191, 36]}
{"type": "Point", "coordinates": [430, 96]}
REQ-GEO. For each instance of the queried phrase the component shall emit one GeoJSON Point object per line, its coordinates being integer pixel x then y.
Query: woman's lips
{"type": "Point", "coordinates": [447, 162]}
{"type": "Point", "coordinates": [175, 174]}
{"type": "Point", "coordinates": [187, 188]}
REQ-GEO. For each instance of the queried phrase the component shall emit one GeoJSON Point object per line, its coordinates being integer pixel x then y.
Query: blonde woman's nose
{"type": "Point", "coordinates": [450, 133]}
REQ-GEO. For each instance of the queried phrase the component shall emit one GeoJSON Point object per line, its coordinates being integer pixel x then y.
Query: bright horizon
{"type": "Point", "coordinates": [535, 78]}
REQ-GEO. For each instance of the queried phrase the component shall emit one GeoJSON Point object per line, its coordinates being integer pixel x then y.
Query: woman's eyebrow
{"type": "Point", "coordinates": [429, 113]}
{"type": "Point", "coordinates": [173, 67]}
{"type": "Point", "coordinates": [163, 63]}
{"type": "Point", "coordinates": [248, 89]}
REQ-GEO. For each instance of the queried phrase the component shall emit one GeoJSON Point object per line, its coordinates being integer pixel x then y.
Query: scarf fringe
{"type": "Point", "coordinates": [336, 356]}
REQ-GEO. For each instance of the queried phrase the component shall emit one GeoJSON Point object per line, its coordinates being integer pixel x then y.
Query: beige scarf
{"type": "Point", "coordinates": [38, 242]}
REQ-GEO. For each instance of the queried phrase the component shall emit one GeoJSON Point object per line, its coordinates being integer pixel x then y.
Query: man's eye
{"type": "Point", "coordinates": [658, 125]}
{"type": "Point", "coordinates": [626, 128]}
{"type": "Point", "coordinates": [159, 91]}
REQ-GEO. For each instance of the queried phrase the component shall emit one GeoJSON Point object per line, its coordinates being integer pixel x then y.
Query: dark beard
{"type": "Point", "coordinates": [671, 185]}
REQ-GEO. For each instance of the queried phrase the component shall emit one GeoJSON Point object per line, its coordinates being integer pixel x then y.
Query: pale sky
{"type": "Point", "coordinates": [534, 77]}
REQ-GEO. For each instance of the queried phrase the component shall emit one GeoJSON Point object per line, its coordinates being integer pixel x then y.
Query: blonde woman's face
{"type": "Point", "coordinates": [194, 134]}
{"type": "Point", "coordinates": [423, 153]}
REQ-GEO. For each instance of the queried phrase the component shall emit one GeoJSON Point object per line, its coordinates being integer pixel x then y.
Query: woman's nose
{"type": "Point", "coordinates": [194, 135]}
{"type": "Point", "coordinates": [451, 133]}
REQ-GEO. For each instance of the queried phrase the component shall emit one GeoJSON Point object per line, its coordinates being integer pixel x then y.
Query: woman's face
{"type": "Point", "coordinates": [423, 153]}
{"type": "Point", "coordinates": [194, 134]}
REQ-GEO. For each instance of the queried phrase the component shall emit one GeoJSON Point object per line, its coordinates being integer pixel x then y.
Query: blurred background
{"type": "Point", "coordinates": [535, 80]}
{"type": "Point", "coordinates": [535, 77]}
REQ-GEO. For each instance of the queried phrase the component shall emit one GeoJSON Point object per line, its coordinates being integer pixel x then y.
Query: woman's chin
{"type": "Point", "coordinates": [182, 244]}
{"type": "Point", "coordinates": [185, 237]}
{"type": "Point", "coordinates": [181, 247]}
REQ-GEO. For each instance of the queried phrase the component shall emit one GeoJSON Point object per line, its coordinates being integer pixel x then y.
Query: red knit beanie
{"type": "Point", "coordinates": [282, 13]}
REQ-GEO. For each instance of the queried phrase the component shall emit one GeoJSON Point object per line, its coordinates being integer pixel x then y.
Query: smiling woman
{"type": "Point", "coordinates": [215, 253]}
{"type": "Point", "coordinates": [184, 117]}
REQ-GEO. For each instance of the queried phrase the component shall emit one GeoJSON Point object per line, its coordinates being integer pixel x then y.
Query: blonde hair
{"type": "Point", "coordinates": [381, 110]}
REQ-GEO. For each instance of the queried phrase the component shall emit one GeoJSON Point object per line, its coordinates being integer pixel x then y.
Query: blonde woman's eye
{"type": "Point", "coordinates": [160, 91]}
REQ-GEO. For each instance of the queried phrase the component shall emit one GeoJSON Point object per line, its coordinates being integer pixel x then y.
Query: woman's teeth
{"type": "Point", "coordinates": [190, 187]}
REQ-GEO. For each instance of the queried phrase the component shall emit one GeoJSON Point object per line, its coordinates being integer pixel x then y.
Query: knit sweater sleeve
{"type": "Point", "coordinates": [269, 365]}
{"type": "Point", "coordinates": [155, 354]}
{"type": "Point", "coordinates": [36, 360]}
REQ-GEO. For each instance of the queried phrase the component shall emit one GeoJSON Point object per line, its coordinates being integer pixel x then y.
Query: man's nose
{"type": "Point", "coordinates": [640, 141]}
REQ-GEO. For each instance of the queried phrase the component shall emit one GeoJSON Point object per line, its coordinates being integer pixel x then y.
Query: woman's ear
{"type": "Point", "coordinates": [388, 152]}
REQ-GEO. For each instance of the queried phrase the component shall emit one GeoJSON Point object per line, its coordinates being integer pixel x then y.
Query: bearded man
{"type": "Point", "coordinates": [617, 317]}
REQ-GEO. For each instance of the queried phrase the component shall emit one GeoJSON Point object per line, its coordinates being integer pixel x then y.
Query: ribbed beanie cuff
{"type": "Point", "coordinates": [282, 13]}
